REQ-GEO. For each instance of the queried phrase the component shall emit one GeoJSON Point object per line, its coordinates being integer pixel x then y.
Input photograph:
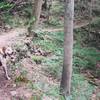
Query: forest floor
{"type": "Point", "coordinates": [11, 90]}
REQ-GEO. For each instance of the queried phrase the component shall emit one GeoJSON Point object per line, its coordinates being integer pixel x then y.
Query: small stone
{"type": "Point", "coordinates": [13, 93]}
{"type": "Point", "coordinates": [14, 85]}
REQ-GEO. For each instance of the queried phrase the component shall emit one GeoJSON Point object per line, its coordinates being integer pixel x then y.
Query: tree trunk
{"type": "Point", "coordinates": [90, 18]}
{"type": "Point", "coordinates": [68, 48]}
{"type": "Point", "coordinates": [44, 6]}
{"type": "Point", "coordinates": [37, 11]}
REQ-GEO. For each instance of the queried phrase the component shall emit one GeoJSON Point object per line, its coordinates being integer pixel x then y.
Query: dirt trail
{"type": "Point", "coordinates": [77, 24]}
{"type": "Point", "coordinates": [11, 36]}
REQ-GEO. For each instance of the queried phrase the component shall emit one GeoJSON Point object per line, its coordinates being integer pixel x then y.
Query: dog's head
{"type": "Point", "coordinates": [10, 53]}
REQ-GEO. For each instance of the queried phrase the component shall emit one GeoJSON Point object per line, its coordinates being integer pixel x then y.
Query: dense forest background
{"type": "Point", "coordinates": [38, 77]}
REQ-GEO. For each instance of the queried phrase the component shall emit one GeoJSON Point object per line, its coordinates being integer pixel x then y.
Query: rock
{"type": "Point", "coordinates": [13, 93]}
{"type": "Point", "coordinates": [14, 85]}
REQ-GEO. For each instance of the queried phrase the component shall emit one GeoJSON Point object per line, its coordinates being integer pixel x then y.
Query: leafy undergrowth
{"type": "Point", "coordinates": [42, 75]}
{"type": "Point", "coordinates": [84, 58]}
{"type": "Point", "coordinates": [40, 81]}
{"type": "Point", "coordinates": [38, 78]}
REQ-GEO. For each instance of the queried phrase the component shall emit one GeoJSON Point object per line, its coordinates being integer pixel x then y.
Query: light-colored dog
{"type": "Point", "coordinates": [6, 54]}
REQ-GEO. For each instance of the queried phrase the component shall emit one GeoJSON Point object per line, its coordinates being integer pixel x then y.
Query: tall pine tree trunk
{"type": "Point", "coordinates": [68, 48]}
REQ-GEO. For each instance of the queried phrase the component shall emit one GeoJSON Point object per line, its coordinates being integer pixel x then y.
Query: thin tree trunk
{"type": "Point", "coordinates": [90, 18]}
{"type": "Point", "coordinates": [68, 48]}
{"type": "Point", "coordinates": [37, 11]}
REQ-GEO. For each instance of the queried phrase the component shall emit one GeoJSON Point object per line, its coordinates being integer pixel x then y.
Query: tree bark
{"type": "Point", "coordinates": [44, 6]}
{"type": "Point", "coordinates": [37, 11]}
{"type": "Point", "coordinates": [68, 48]}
